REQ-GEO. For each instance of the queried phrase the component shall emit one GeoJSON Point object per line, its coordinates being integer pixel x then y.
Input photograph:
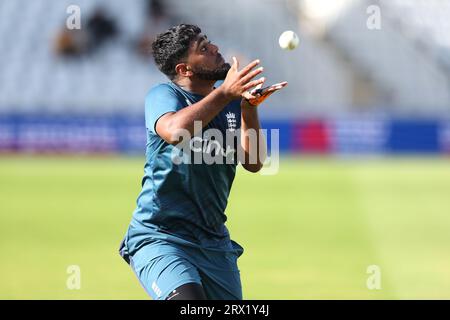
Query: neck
{"type": "Point", "coordinates": [201, 87]}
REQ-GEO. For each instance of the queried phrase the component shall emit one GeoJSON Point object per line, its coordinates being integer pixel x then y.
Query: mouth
{"type": "Point", "coordinates": [220, 59]}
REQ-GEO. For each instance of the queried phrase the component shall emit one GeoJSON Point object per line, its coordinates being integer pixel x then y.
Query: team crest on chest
{"type": "Point", "coordinates": [231, 119]}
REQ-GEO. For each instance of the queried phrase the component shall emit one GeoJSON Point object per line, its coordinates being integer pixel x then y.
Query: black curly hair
{"type": "Point", "coordinates": [171, 46]}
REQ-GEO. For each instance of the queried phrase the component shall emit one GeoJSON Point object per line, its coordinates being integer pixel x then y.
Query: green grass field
{"type": "Point", "coordinates": [309, 232]}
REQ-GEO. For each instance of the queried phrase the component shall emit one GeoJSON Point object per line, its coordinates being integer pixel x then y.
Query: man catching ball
{"type": "Point", "coordinates": [177, 242]}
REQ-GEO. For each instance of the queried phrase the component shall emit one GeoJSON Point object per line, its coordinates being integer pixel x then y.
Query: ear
{"type": "Point", "coordinates": [183, 70]}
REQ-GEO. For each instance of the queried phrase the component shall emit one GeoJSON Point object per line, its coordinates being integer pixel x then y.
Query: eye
{"type": "Point", "coordinates": [205, 47]}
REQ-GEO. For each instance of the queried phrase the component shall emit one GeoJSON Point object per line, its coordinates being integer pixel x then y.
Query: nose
{"type": "Point", "coordinates": [214, 48]}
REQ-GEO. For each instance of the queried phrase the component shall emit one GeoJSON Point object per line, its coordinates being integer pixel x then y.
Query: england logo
{"type": "Point", "coordinates": [231, 119]}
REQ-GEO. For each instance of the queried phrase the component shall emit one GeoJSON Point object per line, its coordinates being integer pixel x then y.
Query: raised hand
{"type": "Point", "coordinates": [237, 83]}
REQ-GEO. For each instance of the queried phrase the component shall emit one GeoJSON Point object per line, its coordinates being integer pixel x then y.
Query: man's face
{"type": "Point", "coordinates": [205, 60]}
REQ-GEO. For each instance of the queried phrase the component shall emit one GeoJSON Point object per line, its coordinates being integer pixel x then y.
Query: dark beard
{"type": "Point", "coordinates": [219, 73]}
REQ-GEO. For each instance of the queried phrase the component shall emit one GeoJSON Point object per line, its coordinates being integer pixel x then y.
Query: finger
{"type": "Point", "coordinates": [249, 67]}
{"type": "Point", "coordinates": [271, 90]}
{"type": "Point", "coordinates": [254, 83]}
{"type": "Point", "coordinates": [276, 87]}
{"type": "Point", "coordinates": [259, 86]}
{"type": "Point", "coordinates": [235, 63]}
{"type": "Point", "coordinates": [251, 75]}
{"type": "Point", "coordinates": [279, 85]}
{"type": "Point", "coordinates": [284, 83]}
{"type": "Point", "coordinates": [247, 95]}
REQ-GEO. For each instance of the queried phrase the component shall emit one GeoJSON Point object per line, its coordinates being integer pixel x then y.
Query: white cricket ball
{"type": "Point", "coordinates": [288, 40]}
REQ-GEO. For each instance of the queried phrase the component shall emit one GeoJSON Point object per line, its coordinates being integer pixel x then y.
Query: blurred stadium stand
{"type": "Point", "coordinates": [351, 79]}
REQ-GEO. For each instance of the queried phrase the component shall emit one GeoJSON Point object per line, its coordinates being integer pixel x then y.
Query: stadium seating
{"type": "Point", "coordinates": [410, 76]}
{"type": "Point", "coordinates": [403, 67]}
